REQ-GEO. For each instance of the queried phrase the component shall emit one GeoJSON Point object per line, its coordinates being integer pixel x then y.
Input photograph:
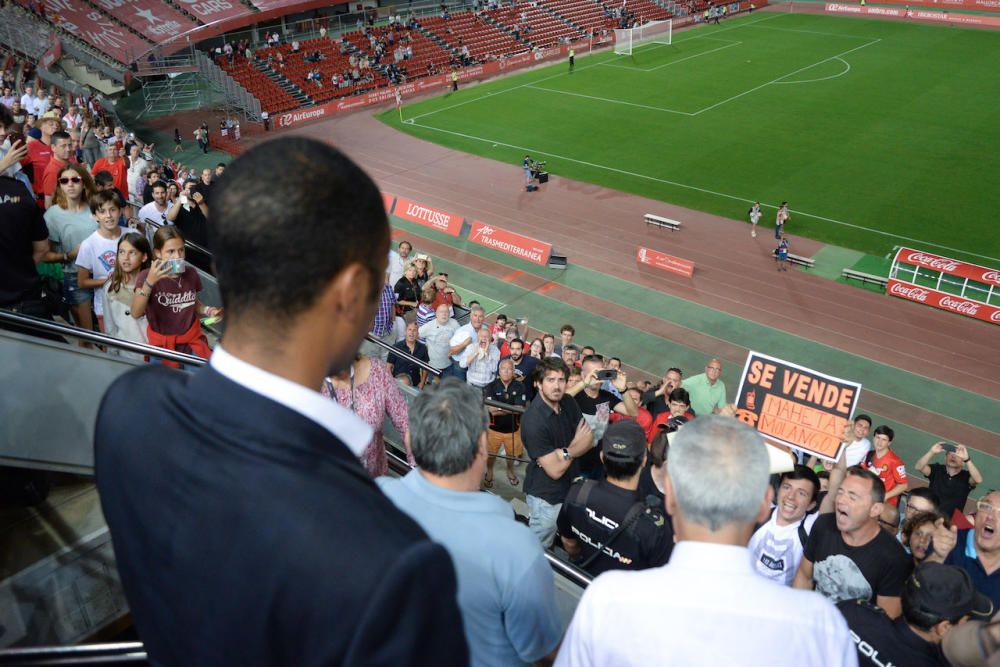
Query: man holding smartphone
{"type": "Point", "coordinates": [953, 481]}
{"type": "Point", "coordinates": [190, 213]}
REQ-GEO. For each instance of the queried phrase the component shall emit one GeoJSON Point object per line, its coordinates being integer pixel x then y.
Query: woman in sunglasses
{"type": "Point", "coordinates": [69, 222]}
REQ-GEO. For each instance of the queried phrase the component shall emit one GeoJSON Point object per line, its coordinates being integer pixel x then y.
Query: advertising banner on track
{"type": "Point", "coordinates": [522, 247]}
{"type": "Point", "coordinates": [661, 260]}
{"type": "Point", "coordinates": [937, 299]}
{"type": "Point", "coordinates": [952, 267]}
{"type": "Point", "coordinates": [796, 406]}
{"type": "Point", "coordinates": [912, 10]}
{"type": "Point", "coordinates": [449, 223]}
{"type": "Point", "coordinates": [388, 200]}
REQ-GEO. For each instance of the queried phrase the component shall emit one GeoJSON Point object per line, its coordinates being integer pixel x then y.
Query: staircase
{"type": "Point", "coordinates": [285, 84]}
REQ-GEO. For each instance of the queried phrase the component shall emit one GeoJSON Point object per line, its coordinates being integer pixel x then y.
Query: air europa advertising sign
{"type": "Point", "coordinates": [796, 406]}
{"type": "Point", "coordinates": [510, 242]}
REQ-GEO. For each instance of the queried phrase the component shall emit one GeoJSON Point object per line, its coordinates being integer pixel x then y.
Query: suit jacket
{"type": "Point", "coordinates": [247, 534]}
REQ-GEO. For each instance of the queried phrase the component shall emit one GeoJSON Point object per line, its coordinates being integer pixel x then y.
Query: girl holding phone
{"type": "Point", "coordinates": [167, 294]}
{"type": "Point", "coordinates": [119, 292]}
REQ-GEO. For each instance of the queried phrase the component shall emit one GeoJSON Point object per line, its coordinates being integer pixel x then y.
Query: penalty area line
{"type": "Point", "coordinates": [646, 177]}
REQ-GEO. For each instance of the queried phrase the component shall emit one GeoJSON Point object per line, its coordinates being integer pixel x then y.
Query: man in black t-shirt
{"type": "Point", "coordinates": [848, 555]}
{"type": "Point", "coordinates": [523, 365]}
{"type": "Point", "coordinates": [609, 515]}
{"type": "Point", "coordinates": [23, 241]}
{"type": "Point", "coordinates": [936, 599]}
{"type": "Point", "coordinates": [190, 214]}
{"type": "Point", "coordinates": [505, 427]}
{"type": "Point", "coordinates": [951, 482]}
{"type": "Point", "coordinates": [401, 366]}
{"type": "Point", "coordinates": [555, 434]}
{"type": "Point", "coordinates": [597, 406]}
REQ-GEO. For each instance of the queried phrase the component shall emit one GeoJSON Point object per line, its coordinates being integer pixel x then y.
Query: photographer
{"type": "Point", "coordinates": [190, 213]}
{"type": "Point", "coordinates": [597, 404]}
{"type": "Point", "coordinates": [952, 481]}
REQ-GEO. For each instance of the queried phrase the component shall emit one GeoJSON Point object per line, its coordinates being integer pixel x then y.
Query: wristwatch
{"type": "Point", "coordinates": [566, 455]}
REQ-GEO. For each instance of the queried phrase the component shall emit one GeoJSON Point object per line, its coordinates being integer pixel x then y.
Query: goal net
{"type": "Point", "coordinates": [654, 32]}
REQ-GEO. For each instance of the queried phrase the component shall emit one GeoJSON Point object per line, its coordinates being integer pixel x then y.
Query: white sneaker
{"type": "Point", "coordinates": [753, 233]}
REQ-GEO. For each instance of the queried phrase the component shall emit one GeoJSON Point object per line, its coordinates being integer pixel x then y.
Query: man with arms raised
{"type": "Point", "coordinates": [656, 400]}
{"type": "Point", "coordinates": [597, 405]}
{"type": "Point", "coordinates": [246, 531]}
{"type": "Point", "coordinates": [707, 606]}
{"type": "Point", "coordinates": [848, 555]}
{"type": "Point", "coordinates": [953, 481]}
{"type": "Point", "coordinates": [555, 435]}
{"type": "Point", "coordinates": [506, 590]}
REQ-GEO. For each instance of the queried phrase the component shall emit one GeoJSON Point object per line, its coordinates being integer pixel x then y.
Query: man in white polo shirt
{"type": "Point", "coordinates": [707, 606]}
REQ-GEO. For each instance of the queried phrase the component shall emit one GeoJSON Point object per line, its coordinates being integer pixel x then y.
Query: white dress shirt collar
{"type": "Point", "coordinates": [709, 557]}
{"type": "Point", "coordinates": [341, 422]}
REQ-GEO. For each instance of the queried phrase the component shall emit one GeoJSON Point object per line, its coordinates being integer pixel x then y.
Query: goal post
{"type": "Point", "coordinates": [654, 32]}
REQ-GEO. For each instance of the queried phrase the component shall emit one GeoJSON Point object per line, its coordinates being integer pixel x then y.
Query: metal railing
{"type": "Point", "coordinates": [99, 654]}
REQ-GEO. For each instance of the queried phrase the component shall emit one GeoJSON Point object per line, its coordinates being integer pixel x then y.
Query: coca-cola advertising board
{"type": "Point", "coordinates": [952, 267]}
{"type": "Point", "coordinates": [511, 243]}
{"type": "Point", "coordinates": [943, 300]}
{"type": "Point", "coordinates": [661, 260]}
{"type": "Point", "coordinates": [449, 223]}
{"type": "Point", "coordinates": [796, 406]}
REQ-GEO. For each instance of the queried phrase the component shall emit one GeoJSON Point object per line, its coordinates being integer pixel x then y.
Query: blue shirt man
{"type": "Point", "coordinates": [506, 591]}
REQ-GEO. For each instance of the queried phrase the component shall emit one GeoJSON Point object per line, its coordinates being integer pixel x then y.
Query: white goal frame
{"type": "Point", "coordinates": [654, 32]}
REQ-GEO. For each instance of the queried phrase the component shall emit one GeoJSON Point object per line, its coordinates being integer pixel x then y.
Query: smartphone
{"type": "Point", "coordinates": [606, 374]}
{"type": "Point", "coordinates": [15, 137]}
{"type": "Point", "coordinates": [948, 447]}
{"type": "Point", "coordinates": [176, 266]}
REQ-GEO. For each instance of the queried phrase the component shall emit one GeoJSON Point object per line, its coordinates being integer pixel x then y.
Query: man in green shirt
{"type": "Point", "coordinates": [708, 392]}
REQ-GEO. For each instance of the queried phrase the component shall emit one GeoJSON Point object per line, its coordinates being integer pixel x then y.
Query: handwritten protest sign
{"type": "Point", "coordinates": [796, 406]}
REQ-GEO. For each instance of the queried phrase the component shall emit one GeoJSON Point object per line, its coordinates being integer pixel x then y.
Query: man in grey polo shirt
{"type": "Point", "coordinates": [506, 591]}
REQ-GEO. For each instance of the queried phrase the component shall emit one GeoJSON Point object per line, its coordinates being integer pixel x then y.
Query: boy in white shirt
{"type": "Point", "coordinates": [96, 259]}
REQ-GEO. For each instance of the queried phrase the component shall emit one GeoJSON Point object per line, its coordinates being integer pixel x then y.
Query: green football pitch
{"type": "Point", "coordinates": [877, 133]}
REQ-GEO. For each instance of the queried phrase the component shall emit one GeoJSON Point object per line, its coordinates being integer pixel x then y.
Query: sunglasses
{"type": "Point", "coordinates": [71, 179]}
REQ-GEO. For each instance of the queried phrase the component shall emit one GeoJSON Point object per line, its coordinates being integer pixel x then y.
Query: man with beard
{"type": "Point", "coordinates": [555, 435]}
{"type": "Point", "coordinates": [848, 555]}
{"type": "Point", "coordinates": [524, 366]}
{"type": "Point", "coordinates": [656, 400]}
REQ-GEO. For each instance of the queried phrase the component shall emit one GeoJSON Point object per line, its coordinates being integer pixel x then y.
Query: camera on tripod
{"type": "Point", "coordinates": [538, 171]}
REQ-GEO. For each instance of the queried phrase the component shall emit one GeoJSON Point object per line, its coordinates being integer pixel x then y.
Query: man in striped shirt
{"type": "Point", "coordinates": [383, 324]}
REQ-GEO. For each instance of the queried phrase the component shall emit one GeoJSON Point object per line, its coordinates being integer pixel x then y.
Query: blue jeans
{"type": "Point", "coordinates": [542, 519]}
{"type": "Point", "coordinates": [455, 371]}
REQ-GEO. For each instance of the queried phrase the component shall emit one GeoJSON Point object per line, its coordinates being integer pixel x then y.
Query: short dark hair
{"type": "Point", "coordinates": [317, 194]}
{"type": "Point", "coordinates": [673, 369]}
{"type": "Point", "coordinates": [60, 134]}
{"type": "Point", "coordinates": [6, 117]}
{"type": "Point", "coordinates": [863, 418]}
{"type": "Point", "coordinates": [878, 488]}
{"type": "Point", "coordinates": [886, 431]}
{"type": "Point", "coordinates": [659, 448]}
{"type": "Point", "coordinates": [681, 395]}
{"type": "Point", "coordinates": [621, 469]}
{"type": "Point", "coordinates": [103, 197]}
{"type": "Point", "coordinates": [803, 472]}
{"type": "Point", "coordinates": [549, 364]}
{"type": "Point", "coordinates": [567, 327]}
{"type": "Point", "coordinates": [158, 184]}
{"type": "Point", "coordinates": [103, 177]}
{"type": "Point", "coordinates": [926, 493]}
{"type": "Point", "coordinates": [515, 340]}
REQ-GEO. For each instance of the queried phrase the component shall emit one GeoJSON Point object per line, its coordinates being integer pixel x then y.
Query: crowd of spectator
{"type": "Point", "coordinates": [629, 475]}
{"type": "Point", "coordinates": [83, 190]}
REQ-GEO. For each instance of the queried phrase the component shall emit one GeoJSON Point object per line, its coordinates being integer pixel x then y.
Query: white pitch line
{"type": "Point", "coordinates": [700, 189]}
{"type": "Point", "coordinates": [700, 35]}
{"type": "Point", "coordinates": [610, 101]}
{"type": "Point", "coordinates": [825, 78]}
{"type": "Point", "coordinates": [672, 62]}
{"type": "Point", "coordinates": [785, 76]}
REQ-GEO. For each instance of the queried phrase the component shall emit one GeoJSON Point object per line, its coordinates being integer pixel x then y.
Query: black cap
{"type": "Point", "coordinates": [946, 592]}
{"type": "Point", "coordinates": [624, 441]}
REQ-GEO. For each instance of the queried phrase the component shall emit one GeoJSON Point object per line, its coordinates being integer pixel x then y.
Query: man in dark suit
{"type": "Point", "coordinates": [245, 530]}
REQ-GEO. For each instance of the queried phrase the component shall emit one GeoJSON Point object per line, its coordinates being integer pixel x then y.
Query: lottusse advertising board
{"type": "Point", "coordinates": [511, 243]}
{"type": "Point", "coordinates": [448, 223]}
{"type": "Point", "coordinates": [943, 300]}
